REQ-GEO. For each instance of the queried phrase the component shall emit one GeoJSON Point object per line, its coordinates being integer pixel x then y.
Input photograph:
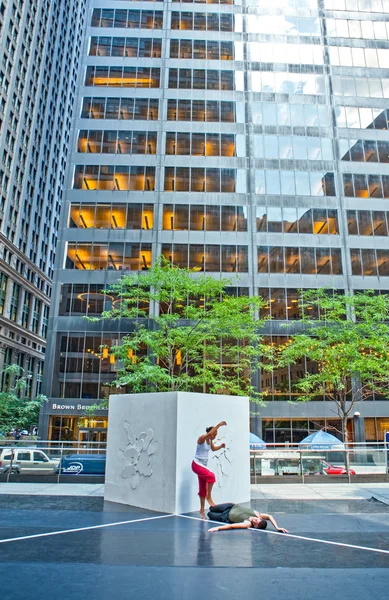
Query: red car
{"type": "Point", "coordinates": [331, 470]}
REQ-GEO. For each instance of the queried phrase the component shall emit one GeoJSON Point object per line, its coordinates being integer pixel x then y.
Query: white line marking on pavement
{"type": "Point", "coordinates": [298, 537]}
{"type": "Point", "coordinates": [40, 535]}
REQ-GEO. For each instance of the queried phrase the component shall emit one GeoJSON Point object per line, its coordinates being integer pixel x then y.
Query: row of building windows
{"type": "Point", "coordinates": [211, 258]}
{"type": "Point", "coordinates": [367, 222]}
{"type": "Point", "coordinates": [114, 256]}
{"type": "Point", "coordinates": [293, 147]}
{"type": "Point", "coordinates": [207, 111]}
{"type": "Point", "coordinates": [111, 216]}
{"type": "Point", "coordinates": [362, 87]}
{"type": "Point", "coordinates": [92, 177]}
{"type": "Point", "coordinates": [134, 257]}
{"type": "Point", "coordinates": [203, 21]}
{"type": "Point", "coordinates": [146, 109]}
{"type": "Point", "coordinates": [344, 56]}
{"type": "Point", "coordinates": [117, 142]}
{"type": "Point", "coordinates": [308, 261]}
{"type": "Point", "coordinates": [178, 217]}
{"type": "Point", "coordinates": [301, 84]}
{"type": "Point", "coordinates": [201, 49]}
{"type": "Point", "coordinates": [292, 183]}
{"type": "Point", "coordinates": [273, 219]}
{"type": "Point", "coordinates": [201, 79]}
{"type": "Point", "coordinates": [131, 77]}
{"type": "Point", "coordinates": [362, 117]}
{"type": "Point", "coordinates": [185, 179]}
{"type": "Point", "coordinates": [269, 219]}
{"type": "Point", "coordinates": [259, 81]}
{"type": "Point", "coordinates": [23, 308]}
{"type": "Point", "coordinates": [272, 182]}
{"type": "Point", "coordinates": [287, 114]}
{"type": "Point", "coordinates": [370, 262]}
{"type": "Point", "coordinates": [263, 113]}
{"type": "Point", "coordinates": [142, 142]}
{"type": "Point", "coordinates": [83, 299]}
{"type": "Point", "coordinates": [374, 6]}
{"type": "Point", "coordinates": [201, 144]}
{"type": "Point", "coordinates": [131, 19]}
{"type": "Point", "coordinates": [127, 109]}
{"type": "Point", "coordinates": [364, 150]}
{"type": "Point", "coordinates": [120, 46]}
{"type": "Point", "coordinates": [351, 28]}
{"type": "Point", "coordinates": [181, 217]}
{"type": "Point", "coordinates": [297, 54]}
{"type": "Point", "coordinates": [366, 186]}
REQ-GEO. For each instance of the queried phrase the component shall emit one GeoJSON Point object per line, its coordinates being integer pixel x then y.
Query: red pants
{"type": "Point", "coordinates": [205, 476]}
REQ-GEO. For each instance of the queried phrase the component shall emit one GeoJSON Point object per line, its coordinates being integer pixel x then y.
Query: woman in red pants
{"type": "Point", "coordinates": [199, 465]}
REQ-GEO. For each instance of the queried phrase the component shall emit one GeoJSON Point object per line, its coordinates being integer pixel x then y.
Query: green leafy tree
{"type": "Point", "coordinates": [345, 341]}
{"type": "Point", "coordinates": [187, 333]}
{"type": "Point", "coordinates": [17, 411]}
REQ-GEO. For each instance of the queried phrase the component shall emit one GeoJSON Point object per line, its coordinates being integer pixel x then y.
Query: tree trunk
{"type": "Point", "coordinates": [345, 441]}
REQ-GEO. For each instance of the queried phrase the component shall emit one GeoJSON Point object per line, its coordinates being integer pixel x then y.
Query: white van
{"type": "Point", "coordinates": [30, 461]}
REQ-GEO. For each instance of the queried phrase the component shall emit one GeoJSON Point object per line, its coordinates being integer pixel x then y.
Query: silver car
{"type": "Point", "coordinates": [29, 461]}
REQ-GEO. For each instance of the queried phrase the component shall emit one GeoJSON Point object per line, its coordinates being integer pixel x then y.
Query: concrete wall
{"type": "Point", "coordinates": [152, 441]}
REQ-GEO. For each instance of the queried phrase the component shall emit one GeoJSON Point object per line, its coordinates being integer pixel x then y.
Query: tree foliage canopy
{"type": "Point", "coordinates": [17, 411]}
{"type": "Point", "coordinates": [345, 344]}
{"type": "Point", "coordinates": [187, 333]}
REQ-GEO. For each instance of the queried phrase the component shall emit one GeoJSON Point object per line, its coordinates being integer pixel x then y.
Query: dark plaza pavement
{"type": "Point", "coordinates": [175, 557]}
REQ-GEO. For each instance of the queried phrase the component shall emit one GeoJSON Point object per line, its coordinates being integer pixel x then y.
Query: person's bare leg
{"type": "Point", "coordinates": [202, 507]}
{"type": "Point", "coordinates": [209, 495]}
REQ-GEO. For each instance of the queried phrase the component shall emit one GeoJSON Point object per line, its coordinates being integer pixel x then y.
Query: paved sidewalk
{"type": "Point", "coordinates": [268, 491]}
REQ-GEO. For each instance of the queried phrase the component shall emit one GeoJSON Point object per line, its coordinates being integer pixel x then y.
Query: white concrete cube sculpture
{"type": "Point", "coordinates": [152, 441]}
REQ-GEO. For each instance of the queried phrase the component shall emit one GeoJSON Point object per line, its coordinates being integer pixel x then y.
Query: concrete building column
{"type": "Point", "coordinates": [359, 429]}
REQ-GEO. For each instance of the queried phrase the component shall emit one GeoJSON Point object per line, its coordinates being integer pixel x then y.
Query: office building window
{"type": "Point", "coordinates": [14, 305]}
{"type": "Point", "coordinates": [185, 179]}
{"type": "Point", "coordinates": [308, 261]}
{"type": "Point", "coordinates": [117, 142]}
{"type": "Point", "coordinates": [182, 217]}
{"type": "Point", "coordinates": [368, 222]}
{"type": "Point", "coordinates": [202, 21]}
{"type": "Point", "coordinates": [200, 144]}
{"type": "Point", "coordinates": [202, 49]}
{"type": "Point", "coordinates": [209, 111]}
{"type": "Point", "coordinates": [200, 79]}
{"type": "Point", "coordinates": [354, 117]}
{"type": "Point", "coordinates": [200, 257]}
{"type": "Point", "coordinates": [274, 219]}
{"type": "Point", "coordinates": [130, 19]}
{"type": "Point", "coordinates": [87, 177]}
{"type": "Point", "coordinates": [111, 216]}
{"type": "Point", "coordinates": [3, 291]}
{"type": "Point", "coordinates": [366, 186]}
{"type": "Point", "coordinates": [115, 256]}
{"type": "Point", "coordinates": [131, 77]}
{"type": "Point", "coordinates": [369, 262]}
{"type": "Point", "coordinates": [125, 47]}
{"type": "Point", "coordinates": [292, 183]}
{"type": "Point", "coordinates": [137, 109]}
{"type": "Point", "coordinates": [374, 151]}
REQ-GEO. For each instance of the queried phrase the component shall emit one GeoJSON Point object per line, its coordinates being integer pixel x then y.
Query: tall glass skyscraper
{"type": "Point", "coordinates": [39, 49]}
{"type": "Point", "coordinates": [243, 138]}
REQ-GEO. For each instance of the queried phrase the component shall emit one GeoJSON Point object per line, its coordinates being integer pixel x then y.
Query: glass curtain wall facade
{"type": "Point", "coordinates": [40, 44]}
{"type": "Point", "coordinates": [242, 138]}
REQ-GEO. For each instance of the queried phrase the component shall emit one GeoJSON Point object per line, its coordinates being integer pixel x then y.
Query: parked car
{"type": "Point", "coordinates": [29, 461]}
{"type": "Point", "coordinates": [331, 470]}
{"type": "Point", "coordinates": [85, 464]}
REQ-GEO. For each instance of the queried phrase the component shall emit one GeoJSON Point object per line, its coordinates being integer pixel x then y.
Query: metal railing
{"type": "Point", "coordinates": [368, 460]}
{"type": "Point", "coordinates": [78, 461]}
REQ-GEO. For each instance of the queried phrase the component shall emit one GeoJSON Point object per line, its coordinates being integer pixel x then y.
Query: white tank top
{"type": "Point", "coordinates": [202, 451]}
